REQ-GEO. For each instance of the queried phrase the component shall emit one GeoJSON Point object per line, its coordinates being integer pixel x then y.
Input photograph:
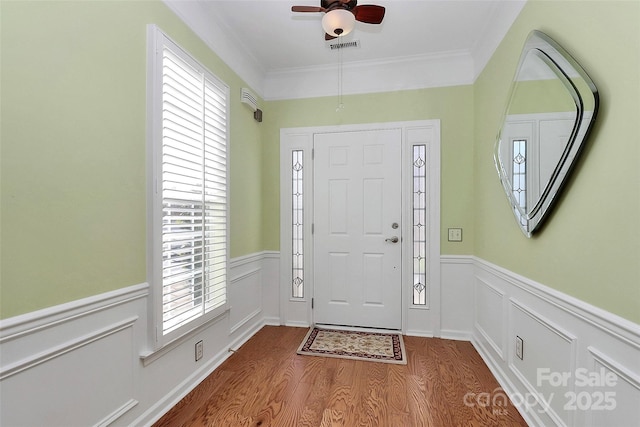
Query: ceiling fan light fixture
{"type": "Point", "coordinates": [338, 22]}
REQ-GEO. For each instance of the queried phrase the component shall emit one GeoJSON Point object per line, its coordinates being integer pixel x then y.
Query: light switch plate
{"type": "Point", "coordinates": [455, 234]}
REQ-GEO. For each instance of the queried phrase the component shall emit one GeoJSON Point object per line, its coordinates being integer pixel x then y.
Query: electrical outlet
{"type": "Point", "coordinates": [199, 350]}
{"type": "Point", "coordinates": [519, 348]}
{"type": "Point", "coordinates": [455, 234]}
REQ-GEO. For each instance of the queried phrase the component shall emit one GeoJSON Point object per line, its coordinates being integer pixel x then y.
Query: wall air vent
{"type": "Point", "coordinates": [344, 45]}
{"type": "Point", "coordinates": [249, 98]}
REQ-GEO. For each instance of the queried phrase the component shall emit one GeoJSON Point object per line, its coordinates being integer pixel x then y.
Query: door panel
{"type": "Point", "coordinates": [357, 198]}
{"type": "Point", "coordinates": [338, 214]}
{"type": "Point", "coordinates": [338, 275]}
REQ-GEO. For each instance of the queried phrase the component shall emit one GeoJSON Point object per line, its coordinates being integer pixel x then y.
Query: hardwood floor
{"type": "Point", "coordinates": [266, 384]}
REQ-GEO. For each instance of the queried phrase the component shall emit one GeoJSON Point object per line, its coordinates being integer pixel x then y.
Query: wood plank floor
{"type": "Point", "coordinates": [266, 384]}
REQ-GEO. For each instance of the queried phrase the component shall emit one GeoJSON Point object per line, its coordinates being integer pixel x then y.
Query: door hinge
{"type": "Point", "coordinates": [313, 153]}
{"type": "Point", "coordinates": [312, 228]}
{"type": "Point", "coordinates": [312, 300]}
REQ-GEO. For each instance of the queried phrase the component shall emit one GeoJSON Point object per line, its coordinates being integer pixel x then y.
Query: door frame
{"type": "Point", "coordinates": [416, 320]}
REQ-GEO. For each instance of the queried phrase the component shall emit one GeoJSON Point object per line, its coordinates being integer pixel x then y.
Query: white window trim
{"type": "Point", "coordinates": [156, 39]}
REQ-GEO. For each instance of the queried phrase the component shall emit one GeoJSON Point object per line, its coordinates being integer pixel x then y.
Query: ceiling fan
{"type": "Point", "coordinates": [340, 15]}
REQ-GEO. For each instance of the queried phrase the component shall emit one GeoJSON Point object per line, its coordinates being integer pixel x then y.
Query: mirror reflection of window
{"type": "Point", "coordinates": [519, 175]}
{"type": "Point", "coordinates": [550, 110]}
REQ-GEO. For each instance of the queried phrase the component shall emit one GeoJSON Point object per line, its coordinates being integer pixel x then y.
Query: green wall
{"type": "Point", "coordinates": [72, 164]}
{"type": "Point", "coordinates": [540, 96]}
{"type": "Point", "coordinates": [73, 179]}
{"type": "Point", "coordinates": [590, 247]}
{"type": "Point", "coordinates": [452, 105]}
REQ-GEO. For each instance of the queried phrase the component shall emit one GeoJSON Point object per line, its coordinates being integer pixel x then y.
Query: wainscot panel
{"type": "Point", "coordinates": [578, 364]}
{"type": "Point", "coordinates": [456, 272]}
{"type": "Point", "coordinates": [624, 394]}
{"type": "Point", "coordinates": [74, 364]}
{"type": "Point", "coordinates": [490, 315]}
{"type": "Point", "coordinates": [245, 291]}
{"type": "Point", "coordinates": [86, 362]}
{"type": "Point", "coordinates": [541, 335]}
{"type": "Point", "coordinates": [271, 287]}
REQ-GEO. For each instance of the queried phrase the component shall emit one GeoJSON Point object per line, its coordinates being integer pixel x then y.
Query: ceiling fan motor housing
{"type": "Point", "coordinates": [340, 16]}
{"type": "Point", "coordinates": [338, 4]}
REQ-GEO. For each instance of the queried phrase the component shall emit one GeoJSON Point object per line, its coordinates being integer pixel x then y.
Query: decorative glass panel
{"type": "Point", "coordinates": [419, 225]}
{"type": "Point", "coordinates": [297, 224]}
{"type": "Point", "coordinates": [519, 176]}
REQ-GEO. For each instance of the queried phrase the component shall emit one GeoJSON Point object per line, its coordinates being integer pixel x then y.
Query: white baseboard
{"type": "Point", "coordinates": [562, 336]}
{"type": "Point", "coordinates": [294, 324]}
{"type": "Point", "coordinates": [481, 302]}
{"type": "Point", "coordinates": [455, 335]}
{"type": "Point", "coordinates": [246, 335]}
{"type": "Point", "coordinates": [272, 321]}
{"type": "Point", "coordinates": [154, 413]}
{"type": "Point", "coordinates": [509, 388]}
{"type": "Point", "coordinates": [418, 333]}
{"type": "Point", "coordinates": [53, 358]}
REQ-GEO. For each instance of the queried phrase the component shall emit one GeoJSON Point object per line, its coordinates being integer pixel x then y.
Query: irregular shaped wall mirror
{"type": "Point", "coordinates": [551, 108]}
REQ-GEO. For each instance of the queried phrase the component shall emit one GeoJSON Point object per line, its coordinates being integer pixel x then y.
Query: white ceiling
{"type": "Point", "coordinates": [283, 54]}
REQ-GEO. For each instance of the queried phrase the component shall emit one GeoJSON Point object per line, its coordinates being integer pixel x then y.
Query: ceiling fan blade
{"type": "Point", "coordinates": [307, 9]}
{"type": "Point", "coordinates": [329, 36]}
{"type": "Point", "coordinates": [369, 13]}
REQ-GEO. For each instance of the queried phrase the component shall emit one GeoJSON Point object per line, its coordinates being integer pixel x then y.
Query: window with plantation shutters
{"type": "Point", "coordinates": [190, 176]}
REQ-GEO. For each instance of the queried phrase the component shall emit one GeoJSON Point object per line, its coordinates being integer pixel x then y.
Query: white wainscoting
{"type": "Point", "coordinates": [73, 364]}
{"type": "Point", "coordinates": [79, 364]}
{"type": "Point", "coordinates": [456, 301]}
{"type": "Point", "coordinates": [245, 291]}
{"type": "Point", "coordinates": [271, 287]}
{"type": "Point", "coordinates": [562, 336]}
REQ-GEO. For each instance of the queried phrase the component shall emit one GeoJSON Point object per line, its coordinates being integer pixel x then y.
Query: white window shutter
{"type": "Point", "coordinates": [193, 175]}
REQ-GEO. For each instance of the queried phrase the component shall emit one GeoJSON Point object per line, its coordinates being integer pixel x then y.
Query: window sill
{"type": "Point", "coordinates": [149, 357]}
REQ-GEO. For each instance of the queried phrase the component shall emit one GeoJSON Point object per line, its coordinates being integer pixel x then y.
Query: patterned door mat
{"type": "Point", "coordinates": [368, 346]}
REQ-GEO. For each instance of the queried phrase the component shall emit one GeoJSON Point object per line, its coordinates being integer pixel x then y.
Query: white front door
{"type": "Point", "coordinates": [357, 228]}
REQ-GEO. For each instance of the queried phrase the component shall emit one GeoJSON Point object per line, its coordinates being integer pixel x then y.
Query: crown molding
{"type": "Point", "coordinates": [393, 74]}
{"type": "Point", "coordinates": [495, 29]}
{"type": "Point", "coordinates": [219, 38]}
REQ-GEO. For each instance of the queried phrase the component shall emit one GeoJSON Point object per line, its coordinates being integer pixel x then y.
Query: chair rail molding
{"type": "Point", "coordinates": [585, 341]}
{"type": "Point", "coordinates": [53, 358]}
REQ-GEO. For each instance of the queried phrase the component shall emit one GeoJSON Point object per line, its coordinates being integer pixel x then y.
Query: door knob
{"type": "Point", "coordinates": [393, 239]}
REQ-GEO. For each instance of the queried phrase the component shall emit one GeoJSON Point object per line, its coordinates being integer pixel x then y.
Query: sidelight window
{"type": "Point", "coordinates": [297, 224]}
{"type": "Point", "coordinates": [419, 206]}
